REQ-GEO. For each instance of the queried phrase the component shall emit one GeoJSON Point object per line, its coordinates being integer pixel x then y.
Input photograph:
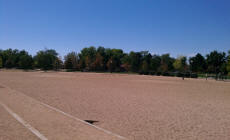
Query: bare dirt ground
{"type": "Point", "coordinates": [134, 106]}
{"type": "Point", "coordinates": [10, 129]}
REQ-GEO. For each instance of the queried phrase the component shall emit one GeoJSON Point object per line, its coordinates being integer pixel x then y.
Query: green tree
{"type": "Point", "coordinates": [155, 63]}
{"type": "Point", "coordinates": [10, 58]}
{"type": "Point", "coordinates": [1, 60]}
{"type": "Point", "coordinates": [25, 60]}
{"type": "Point", "coordinates": [87, 57]}
{"type": "Point", "coordinates": [180, 64]}
{"type": "Point", "coordinates": [45, 59]}
{"type": "Point", "coordinates": [215, 61]}
{"type": "Point", "coordinates": [98, 64]}
{"type": "Point", "coordinates": [228, 63]}
{"type": "Point", "coordinates": [58, 64]}
{"type": "Point", "coordinates": [146, 58]}
{"type": "Point", "coordinates": [82, 64]}
{"type": "Point", "coordinates": [135, 61]}
{"type": "Point", "coordinates": [166, 63]}
{"type": "Point", "coordinates": [125, 60]}
{"type": "Point", "coordinates": [71, 61]}
{"type": "Point", "coordinates": [16, 59]}
{"type": "Point", "coordinates": [197, 63]}
{"type": "Point", "coordinates": [145, 66]}
{"type": "Point", "coordinates": [113, 59]}
{"type": "Point", "coordinates": [1, 65]}
{"type": "Point", "coordinates": [102, 53]}
{"type": "Point", "coordinates": [111, 65]}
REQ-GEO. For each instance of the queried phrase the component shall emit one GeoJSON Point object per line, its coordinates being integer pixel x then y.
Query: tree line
{"type": "Point", "coordinates": [116, 60]}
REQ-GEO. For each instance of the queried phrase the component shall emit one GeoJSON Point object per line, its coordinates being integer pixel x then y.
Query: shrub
{"type": "Point", "coordinates": [158, 73]}
{"type": "Point", "coordinates": [179, 74]}
{"type": "Point", "coordinates": [152, 73]}
{"type": "Point", "coordinates": [165, 74]}
{"type": "Point", "coordinates": [187, 75]}
{"type": "Point", "coordinates": [194, 75]}
{"type": "Point", "coordinates": [141, 72]}
{"type": "Point", "coordinates": [146, 73]}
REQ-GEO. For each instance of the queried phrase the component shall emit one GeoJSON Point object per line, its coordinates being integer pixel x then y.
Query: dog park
{"type": "Point", "coordinates": [114, 70]}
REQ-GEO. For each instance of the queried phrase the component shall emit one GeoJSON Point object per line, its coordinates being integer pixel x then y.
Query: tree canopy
{"type": "Point", "coordinates": [215, 61]}
{"type": "Point", "coordinates": [197, 63]}
{"type": "Point", "coordinates": [180, 64]}
{"type": "Point", "coordinates": [46, 59]}
{"type": "Point", "coordinates": [228, 63]}
{"type": "Point", "coordinates": [116, 60]}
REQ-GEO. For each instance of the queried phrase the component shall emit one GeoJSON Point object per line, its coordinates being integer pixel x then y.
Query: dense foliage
{"type": "Point", "coordinates": [116, 60]}
{"type": "Point", "coordinates": [46, 59]}
{"type": "Point", "coordinates": [15, 59]}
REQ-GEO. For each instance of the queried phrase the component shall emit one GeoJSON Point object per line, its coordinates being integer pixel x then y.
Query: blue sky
{"type": "Point", "coordinates": [178, 27]}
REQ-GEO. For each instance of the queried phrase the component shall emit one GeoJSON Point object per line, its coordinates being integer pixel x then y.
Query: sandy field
{"type": "Point", "coordinates": [135, 107]}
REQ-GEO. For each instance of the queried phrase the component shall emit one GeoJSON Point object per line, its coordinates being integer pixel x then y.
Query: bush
{"type": "Point", "coordinates": [158, 73]}
{"type": "Point", "coordinates": [1, 62]}
{"type": "Point", "coordinates": [152, 73]}
{"type": "Point", "coordinates": [187, 75]}
{"type": "Point", "coordinates": [146, 73]}
{"type": "Point", "coordinates": [165, 74]}
{"type": "Point", "coordinates": [141, 72]}
{"type": "Point", "coordinates": [179, 74]}
{"type": "Point", "coordinates": [173, 74]}
{"type": "Point", "coordinates": [194, 75]}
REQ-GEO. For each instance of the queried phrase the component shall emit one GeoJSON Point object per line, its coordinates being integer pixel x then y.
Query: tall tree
{"type": "Point", "coordinates": [166, 63]}
{"type": "Point", "coordinates": [1, 65]}
{"type": "Point", "coordinates": [10, 58]}
{"type": "Point", "coordinates": [98, 64]}
{"type": "Point", "coordinates": [111, 65]}
{"type": "Point", "coordinates": [87, 57]}
{"type": "Point", "coordinates": [71, 61]}
{"type": "Point", "coordinates": [114, 57]}
{"type": "Point", "coordinates": [155, 63]}
{"type": "Point", "coordinates": [25, 60]}
{"type": "Point", "coordinates": [145, 67]}
{"type": "Point", "coordinates": [45, 59]}
{"type": "Point", "coordinates": [1, 60]}
{"type": "Point", "coordinates": [228, 63]}
{"type": "Point", "coordinates": [215, 60]}
{"type": "Point", "coordinates": [126, 63]}
{"type": "Point", "coordinates": [197, 63]}
{"type": "Point", "coordinates": [180, 64]}
{"type": "Point", "coordinates": [135, 61]}
{"type": "Point", "coordinates": [58, 64]}
{"type": "Point", "coordinates": [102, 53]}
{"type": "Point", "coordinates": [146, 61]}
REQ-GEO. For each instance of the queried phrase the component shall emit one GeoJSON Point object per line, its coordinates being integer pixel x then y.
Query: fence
{"type": "Point", "coordinates": [218, 77]}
